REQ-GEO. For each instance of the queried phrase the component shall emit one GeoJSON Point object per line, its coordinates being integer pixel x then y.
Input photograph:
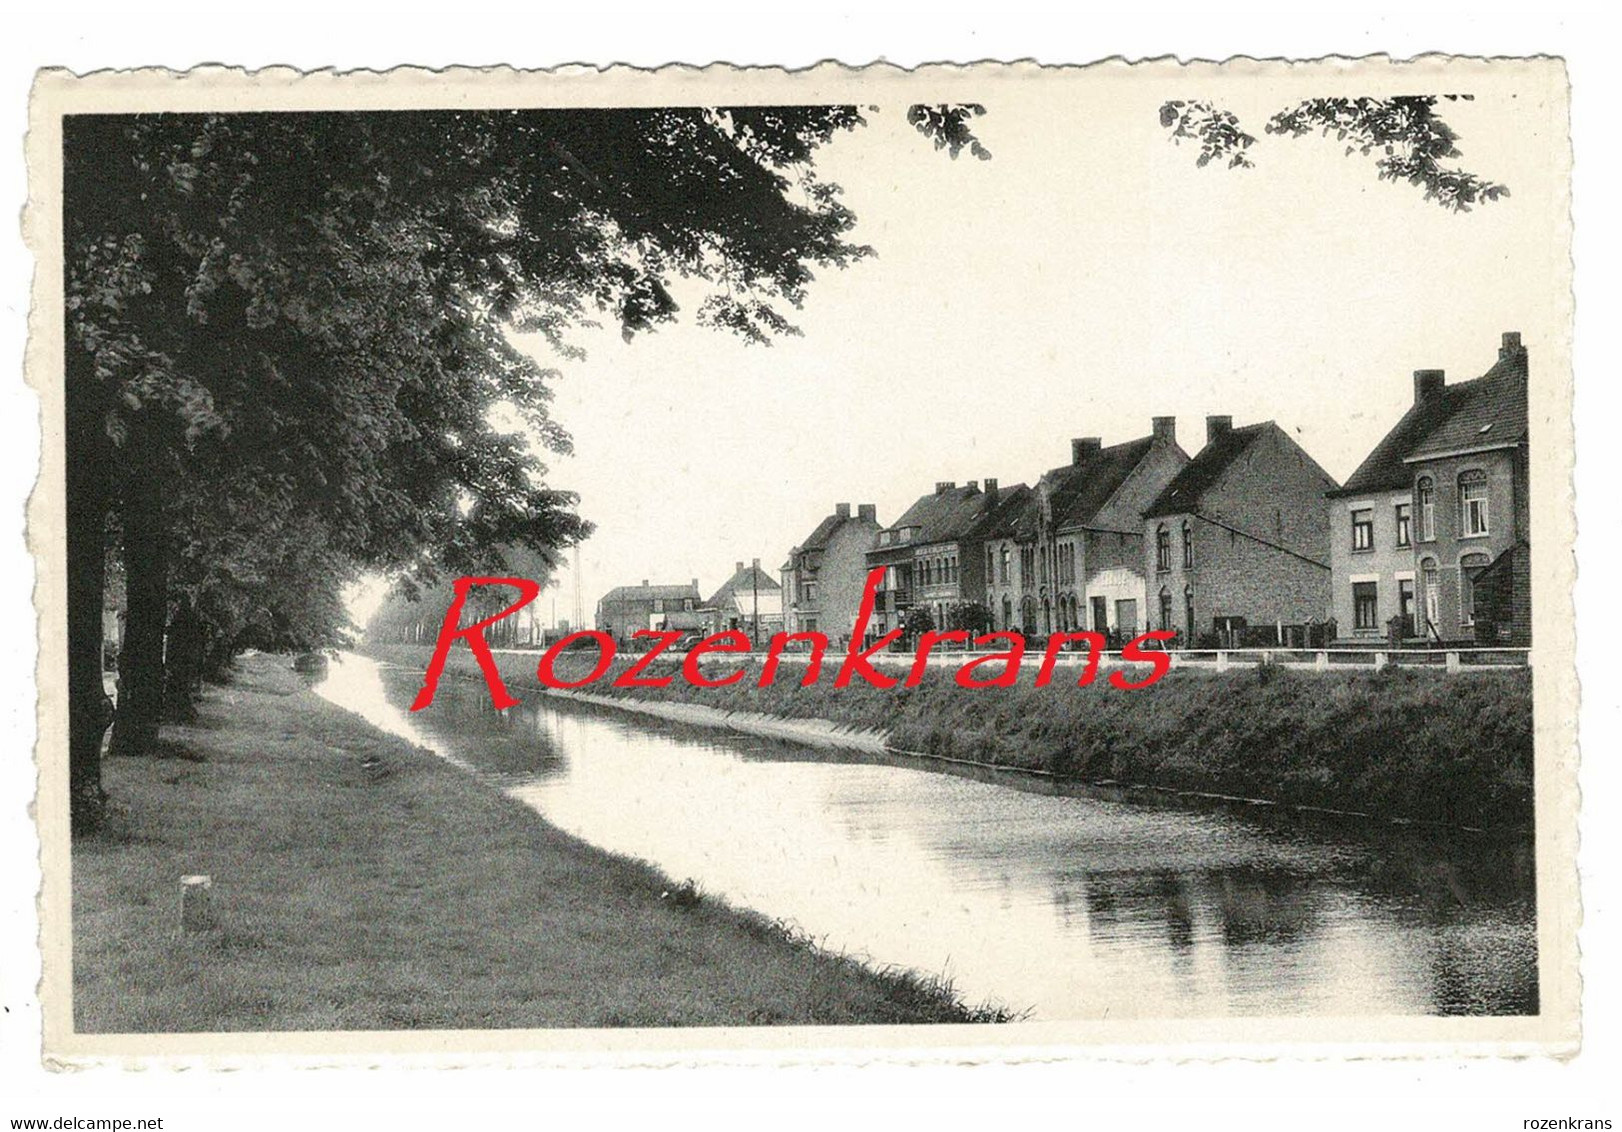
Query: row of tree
{"type": "Point", "coordinates": [289, 348]}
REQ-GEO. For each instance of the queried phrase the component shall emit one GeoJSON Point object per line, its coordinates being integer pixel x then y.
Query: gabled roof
{"type": "Point", "coordinates": [651, 593]}
{"type": "Point", "coordinates": [1080, 491]}
{"type": "Point", "coordinates": [741, 583]}
{"type": "Point", "coordinates": [1201, 473]}
{"type": "Point", "coordinates": [944, 516]}
{"type": "Point", "coordinates": [1488, 412]}
{"type": "Point", "coordinates": [818, 539]}
{"type": "Point", "coordinates": [1012, 515]}
{"type": "Point", "coordinates": [1384, 469]}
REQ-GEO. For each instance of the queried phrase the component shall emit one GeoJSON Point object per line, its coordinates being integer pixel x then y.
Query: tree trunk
{"type": "Point", "coordinates": [146, 582]}
{"type": "Point", "coordinates": [183, 670]}
{"type": "Point", "coordinates": [88, 496]}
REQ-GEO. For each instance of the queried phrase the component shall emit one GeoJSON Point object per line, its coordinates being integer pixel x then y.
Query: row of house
{"type": "Point", "coordinates": [1247, 541]}
{"type": "Point", "coordinates": [750, 600]}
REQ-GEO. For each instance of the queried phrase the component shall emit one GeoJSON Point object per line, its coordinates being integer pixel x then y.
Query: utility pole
{"type": "Point", "coordinates": [754, 591]}
{"type": "Point", "coordinates": [579, 592]}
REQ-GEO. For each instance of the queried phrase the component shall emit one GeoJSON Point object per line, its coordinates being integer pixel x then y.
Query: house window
{"type": "Point", "coordinates": [1469, 566]}
{"type": "Point", "coordinates": [1002, 572]}
{"type": "Point", "coordinates": [687, 604]}
{"type": "Point", "coordinates": [1162, 548]}
{"type": "Point", "coordinates": [810, 592]}
{"type": "Point", "coordinates": [1432, 593]}
{"type": "Point", "coordinates": [658, 605]}
{"type": "Point", "coordinates": [1425, 501]}
{"type": "Point", "coordinates": [1405, 533]}
{"type": "Point", "coordinates": [1365, 606]}
{"type": "Point", "coordinates": [1165, 608]}
{"type": "Point", "coordinates": [1472, 504]}
{"type": "Point", "coordinates": [1188, 610]}
{"type": "Point", "coordinates": [1188, 546]}
{"type": "Point", "coordinates": [1363, 529]}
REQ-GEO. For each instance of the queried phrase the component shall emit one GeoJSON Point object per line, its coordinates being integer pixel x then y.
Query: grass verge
{"type": "Point", "coordinates": [361, 883]}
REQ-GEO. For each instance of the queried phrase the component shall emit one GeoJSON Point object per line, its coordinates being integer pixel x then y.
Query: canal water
{"type": "Point", "coordinates": [1070, 907]}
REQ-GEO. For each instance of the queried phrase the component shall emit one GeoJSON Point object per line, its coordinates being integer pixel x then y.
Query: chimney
{"type": "Point", "coordinates": [695, 583]}
{"type": "Point", "coordinates": [1217, 426]}
{"type": "Point", "coordinates": [867, 511]}
{"type": "Point", "coordinates": [1165, 429]}
{"type": "Point", "coordinates": [973, 485]}
{"type": "Point", "coordinates": [943, 486]}
{"type": "Point", "coordinates": [754, 564]}
{"type": "Point", "coordinates": [1512, 344]}
{"type": "Point", "coordinates": [644, 583]}
{"type": "Point", "coordinates": [991, 486]}
{"type": "Point", "coordinates": [1084, 446]}
{"type": "Point", "coordinates": [842, 510]}
{"type": "Point", "coordinates": [737, 567]}
{"type": "Point", "coordinates": [1427, 384]}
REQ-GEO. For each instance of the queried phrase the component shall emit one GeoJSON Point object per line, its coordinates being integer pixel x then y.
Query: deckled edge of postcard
{"type": "Point", "coordinates": [1554, 1032]}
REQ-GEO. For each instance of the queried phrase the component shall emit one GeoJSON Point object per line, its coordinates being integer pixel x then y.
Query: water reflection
{"type": "Point", "coordinates": [1077, 907]}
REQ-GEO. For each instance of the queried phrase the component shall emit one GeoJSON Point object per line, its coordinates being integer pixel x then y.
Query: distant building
{"type": "Point", "coordinates": [1430, 533]}
{"type": "Point", "coordinates": [824, 575]}
{"type": "Point", "coordinates": [1236, 547]}
{"type": "Point", "coordinates": [933, 556]}
{"type": "Point", "coordinates": [1088, 556]}
{"type": "Point", "coordinates": [750, 601]}
{"type": "Point", "coordinates": [625, 609]}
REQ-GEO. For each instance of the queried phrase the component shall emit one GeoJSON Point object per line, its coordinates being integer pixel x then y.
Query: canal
{"type": "Point", "coordinates": [1068, 906]}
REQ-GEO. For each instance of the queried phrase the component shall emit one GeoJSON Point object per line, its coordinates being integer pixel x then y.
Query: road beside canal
{"type": "Point", "coordinates": [363, 883]}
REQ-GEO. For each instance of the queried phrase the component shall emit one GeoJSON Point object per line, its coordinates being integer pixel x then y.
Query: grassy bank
{"type": "Point", "coordinates": [361, 883]}
{"type": "Point", "coordinates": [1399, 743]}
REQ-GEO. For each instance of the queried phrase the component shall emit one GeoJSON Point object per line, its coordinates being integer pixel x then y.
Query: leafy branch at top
{"type": "Point", "coordinates": [1217, 131]}
{"type": "Point", "coordinates": [947, 125]}
{"type": "Point", "coordinates": [1405, 134]}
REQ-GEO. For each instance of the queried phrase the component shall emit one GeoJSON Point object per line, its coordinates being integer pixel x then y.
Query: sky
{"type": "Point", "coordinates": [1086, 278]}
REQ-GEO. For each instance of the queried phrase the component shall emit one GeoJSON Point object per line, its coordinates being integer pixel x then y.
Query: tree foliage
{"type": "Point", "coordinates": [1216, 131]}
{"type": "Point", "coordinates": [1406, 136]}
{"type": "Point", "coordinates": [947, 125]}
{"type": "Point", "coordinates": [971, 616]}
{"type": "Point", "coordinates": [290, 342]}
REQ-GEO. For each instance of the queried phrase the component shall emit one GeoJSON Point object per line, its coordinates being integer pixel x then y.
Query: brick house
{"type": "Point", "coordinates": [932, 555]}
{"type": "Point", "coordinates": [750, 601]}
{"type": "Point", "coordinates": [1432, 530]}
{"type": "Point", "coordinates": [1010, 574]}
{"type": "Point", "coordinates": [625, 609]}
{"type": "Point", "coordinates": [824, 575]}
{"type": "Point", "coordinates": [1371, 524]}
{"type": "Point", "coordinates": [1236, 548]}
{"type": "Point", "coordinates": [1088, 555]}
